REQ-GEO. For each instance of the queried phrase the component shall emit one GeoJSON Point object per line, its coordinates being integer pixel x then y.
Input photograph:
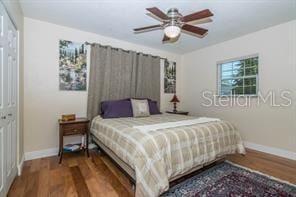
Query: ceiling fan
{"type": "Point", "coordinates": [173, 23]}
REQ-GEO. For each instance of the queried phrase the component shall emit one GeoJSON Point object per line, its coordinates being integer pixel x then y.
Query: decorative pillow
{"type": "Point", "coordinates": [116, 109]}
{"type": "Point", "coordinates": [140, 108]}
{"type": "Point", "coordinates": [153, 108]}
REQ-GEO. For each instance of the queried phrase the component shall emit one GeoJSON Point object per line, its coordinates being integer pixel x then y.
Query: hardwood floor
{"type": "Point", "coordinates": [98, 176]}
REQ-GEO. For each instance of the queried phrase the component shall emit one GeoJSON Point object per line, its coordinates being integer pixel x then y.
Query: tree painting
{"type": "Point", "coordinates": [169, 77]}
{"type": "Point", "coordinates": [72, 66]}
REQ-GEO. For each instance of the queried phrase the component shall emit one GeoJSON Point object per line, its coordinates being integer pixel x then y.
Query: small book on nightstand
{"type": "Point", "coordinates": [71, 147]}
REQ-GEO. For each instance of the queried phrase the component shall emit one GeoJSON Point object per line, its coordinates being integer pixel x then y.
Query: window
{"type": "Point", "coordinates": [238, 77]}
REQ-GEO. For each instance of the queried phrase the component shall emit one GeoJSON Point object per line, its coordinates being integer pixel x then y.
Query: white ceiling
{"type": "Point", "coordinates": [117, 18]}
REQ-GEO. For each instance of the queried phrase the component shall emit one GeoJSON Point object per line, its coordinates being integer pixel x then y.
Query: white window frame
{"type": "Point", "coordinates": [219, 78]}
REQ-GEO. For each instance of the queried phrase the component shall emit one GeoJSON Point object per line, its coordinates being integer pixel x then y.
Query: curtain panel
{"type": "Point", "coordinates": [147, 77]}
{"type": "Point", "coordinates": [118, 74]}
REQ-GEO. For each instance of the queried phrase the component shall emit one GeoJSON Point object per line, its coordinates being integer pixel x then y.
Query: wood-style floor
{"type": "Point", "coordinates": [98, 176]}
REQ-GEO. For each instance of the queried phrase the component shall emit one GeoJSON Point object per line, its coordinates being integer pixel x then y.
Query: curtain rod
{"type": "Point", "coordinates": [88, 43]}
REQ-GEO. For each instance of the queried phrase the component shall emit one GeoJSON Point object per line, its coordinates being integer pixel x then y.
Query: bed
{"type": "Point", "coordinates": [154, 157]}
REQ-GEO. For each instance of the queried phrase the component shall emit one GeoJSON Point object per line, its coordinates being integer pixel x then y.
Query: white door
{"type": "Point", "coordinates": [8, 101]}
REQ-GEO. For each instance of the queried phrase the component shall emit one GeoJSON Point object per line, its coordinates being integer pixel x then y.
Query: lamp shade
{"type": "Point", "coordinates": [175, 99]}
{"type": "Point", "coordinates": [172, 31]}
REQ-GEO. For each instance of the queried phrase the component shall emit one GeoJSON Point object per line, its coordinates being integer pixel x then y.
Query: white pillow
{"type": "Point", "coordinates": [140, 108]}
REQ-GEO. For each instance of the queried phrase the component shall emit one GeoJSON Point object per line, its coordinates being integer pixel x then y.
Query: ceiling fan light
{"type": "Point", "coordinates": [172, 31]}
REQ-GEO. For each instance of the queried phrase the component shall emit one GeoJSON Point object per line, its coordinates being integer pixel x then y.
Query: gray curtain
{"type": "Point", "coordinates": [117, 74]}
{"type": "Point", "coordinates": [147, 77]}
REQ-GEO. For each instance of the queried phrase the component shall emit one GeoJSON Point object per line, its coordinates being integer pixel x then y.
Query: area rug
{"type": "Point", "coordinates": [228, 179]}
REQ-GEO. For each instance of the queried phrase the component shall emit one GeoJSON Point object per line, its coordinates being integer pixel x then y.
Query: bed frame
{"type": "Point", "coordinates": [131, 173]}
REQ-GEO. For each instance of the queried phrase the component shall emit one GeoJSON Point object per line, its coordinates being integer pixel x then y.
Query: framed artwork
{"type": "Point", "coordinates": [169, 77]}
{"type": "Point", "coordinates": [72, 66]}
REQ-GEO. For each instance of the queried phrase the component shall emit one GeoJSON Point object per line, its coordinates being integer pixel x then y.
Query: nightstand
{"type": "Point", "coordinates": [178, 112]}
{"type": "Point", "coordinates": [73, 127]}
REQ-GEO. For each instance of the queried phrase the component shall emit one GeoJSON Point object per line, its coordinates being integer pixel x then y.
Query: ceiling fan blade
{"type": "Point", "coordinates": [167, 39]}
{"type": "Point", "coordinates": [157, 12]}
{"type": "Point", "coordinates": [154, 17]}
{"type": "Point", "coordinates": [194, 30]}
{"type": "Point", "coordinates": [200, 21]}
{"type": "Point", "coordinates": [197, 15]}
{"type": "Point", "coordinates": [148, 28]}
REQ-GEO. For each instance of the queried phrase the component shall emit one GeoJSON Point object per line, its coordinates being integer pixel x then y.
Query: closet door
{"type": "Point", "coordinates": [11, 104]}
{"type": "Point", "coordinates": [3, 128]}
{"type": "Point", "coordinates": [8, 101]}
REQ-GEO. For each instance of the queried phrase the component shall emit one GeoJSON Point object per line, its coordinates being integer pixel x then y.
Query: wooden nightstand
{"type": "Point", "coordinates": [73, 127]}
{"type": "Point", "coordinates": [178, 112]}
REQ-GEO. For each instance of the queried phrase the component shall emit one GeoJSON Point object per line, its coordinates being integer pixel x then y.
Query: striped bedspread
{"type": "Point", "coordinates": [158, 155]}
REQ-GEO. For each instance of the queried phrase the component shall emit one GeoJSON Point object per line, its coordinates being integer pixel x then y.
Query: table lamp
{"type": "Point", "coordinates": [175, 100]}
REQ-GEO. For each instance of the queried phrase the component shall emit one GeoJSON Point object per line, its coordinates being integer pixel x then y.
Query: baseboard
{"type": "Point", "coordinates": [267, 149]}
{"type": "Point", "coordinates": [47, 153]}
{"type": "Point", "coordinates": [20, 166]}
{"type": "Point", "coordinates": [41, 153]}
{"type": "Point", "coordinates": [271, 150]}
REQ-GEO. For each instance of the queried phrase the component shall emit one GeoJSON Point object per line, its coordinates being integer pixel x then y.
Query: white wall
{"type": "Point", "coordinates": [265, 125]}
{"type": "Point", "coordinates": [16, 14]}
{"type": "Point", "coordinates": [43, 102]}
{"type": "Point", "coordinates": [196, 71]}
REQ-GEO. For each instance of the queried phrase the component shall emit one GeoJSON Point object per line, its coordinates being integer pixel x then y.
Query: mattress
{"type": "Point", "coordinates": [157, 156]}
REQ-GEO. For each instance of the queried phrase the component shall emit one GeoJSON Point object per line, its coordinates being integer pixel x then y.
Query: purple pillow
{"type": "Point", "coordinates": [116, 109]}
{"type": "Point", "coordinates": [153, 108]}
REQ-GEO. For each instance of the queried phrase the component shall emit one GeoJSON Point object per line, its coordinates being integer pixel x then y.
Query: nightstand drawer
{"type": "Point", "coordinates": [75, 128]}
